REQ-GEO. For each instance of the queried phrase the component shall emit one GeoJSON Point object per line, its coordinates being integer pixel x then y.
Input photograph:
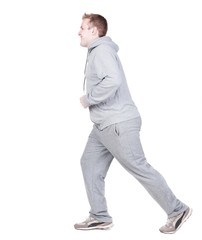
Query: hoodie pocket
{"type": "Point", "coordinates": [116, 129]}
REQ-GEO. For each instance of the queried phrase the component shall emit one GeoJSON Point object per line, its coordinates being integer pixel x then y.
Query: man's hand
{"type": "Point", "coordinates": [83, 101]}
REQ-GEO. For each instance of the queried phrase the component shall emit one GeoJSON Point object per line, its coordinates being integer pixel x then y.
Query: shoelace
{"type": "Point", "coordinates": [170, 221]}
{"type": "Point", "coordinates": [88, 219]}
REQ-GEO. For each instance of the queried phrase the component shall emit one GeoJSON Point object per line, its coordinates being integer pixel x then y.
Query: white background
{"type": "Point", "coordinates": [43, 128]}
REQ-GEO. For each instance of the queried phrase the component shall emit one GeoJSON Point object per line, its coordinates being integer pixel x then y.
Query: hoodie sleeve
{"type": "Point", "coordinates": [105, 68]}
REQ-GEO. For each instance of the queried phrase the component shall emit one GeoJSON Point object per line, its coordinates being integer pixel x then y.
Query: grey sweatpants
{"type": "Point", "coordinates": [122, 141]}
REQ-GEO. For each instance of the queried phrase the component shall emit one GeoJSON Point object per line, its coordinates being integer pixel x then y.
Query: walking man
{"type": "Point", "coordinates": [115, 132]}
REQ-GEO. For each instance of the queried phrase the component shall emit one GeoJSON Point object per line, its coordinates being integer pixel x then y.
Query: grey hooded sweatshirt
{"type": "Point", "coordinates": [107, 93]}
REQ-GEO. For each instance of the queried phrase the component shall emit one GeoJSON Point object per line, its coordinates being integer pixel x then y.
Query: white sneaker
{"type": "Point", "coordinates": [174, 223]}
{"type": "Point", "coordinates": [91, 223]}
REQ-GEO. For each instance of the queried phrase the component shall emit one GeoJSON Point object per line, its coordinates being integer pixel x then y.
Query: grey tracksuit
{"type": "Point", "coordinates": [115, 133]}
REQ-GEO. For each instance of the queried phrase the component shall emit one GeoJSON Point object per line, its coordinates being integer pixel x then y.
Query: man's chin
{"type": "Point", "coordinates": [82, 44]}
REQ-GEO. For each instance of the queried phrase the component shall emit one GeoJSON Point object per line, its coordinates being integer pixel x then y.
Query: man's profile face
{"type": "Point", "coordinates": [86, 33]}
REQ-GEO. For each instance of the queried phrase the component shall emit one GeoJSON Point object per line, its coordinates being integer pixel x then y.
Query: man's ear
{"type": "Point", "coordinates": [95, 31]}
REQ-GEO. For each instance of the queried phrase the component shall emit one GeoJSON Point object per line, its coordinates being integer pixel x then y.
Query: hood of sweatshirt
{"type": "Point", "coordinates": [103, 40]}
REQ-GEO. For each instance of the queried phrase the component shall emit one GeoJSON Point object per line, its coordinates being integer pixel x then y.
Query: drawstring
{"type": "Point", "coordinates": [84, 84]}
{"type": "Point", "coordinates": [84, 81]}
